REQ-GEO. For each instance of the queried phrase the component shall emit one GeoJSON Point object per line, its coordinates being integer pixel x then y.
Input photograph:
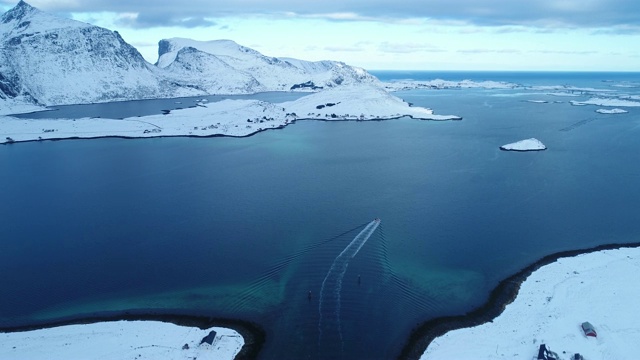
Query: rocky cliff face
{"type": "Point", "coordinates": [53, 61]}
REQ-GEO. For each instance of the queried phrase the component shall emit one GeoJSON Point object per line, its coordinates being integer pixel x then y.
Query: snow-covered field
{"type": "Point", "coordinates": [228, 117]}
{"type": "Point", "coordinates": [119, 340]}
{"type": "Point", "coordinates": [599, 287]}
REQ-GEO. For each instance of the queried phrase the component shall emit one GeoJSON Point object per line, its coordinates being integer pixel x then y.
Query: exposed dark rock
{"type": "Point", "coordinates": [309, 84]}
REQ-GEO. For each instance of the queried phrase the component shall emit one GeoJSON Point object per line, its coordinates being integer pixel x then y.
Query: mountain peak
{"type": "Point", "coordinates": [20, 11]}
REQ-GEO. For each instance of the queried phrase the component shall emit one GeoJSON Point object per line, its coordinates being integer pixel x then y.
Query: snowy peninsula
{"type": "Point", "coordinates": [122, 340]}
{"type": "Point", "coordinates": [226, 118]}
{"type": "Point", "coordinates": [531, 144]}
{"type": "Point", "coordinates": [551, 305]}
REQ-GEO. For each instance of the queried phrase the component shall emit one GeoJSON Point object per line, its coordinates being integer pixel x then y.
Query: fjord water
{"type": "Point", "coordinates": [246, 228]}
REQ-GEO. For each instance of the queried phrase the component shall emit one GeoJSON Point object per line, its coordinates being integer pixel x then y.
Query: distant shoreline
{"type": "Point", "coordinates": [254, 336]}
{"type": "Point", "coordinates": [279, 127]}
{"type": "Point", "coordinates": [502, 295]}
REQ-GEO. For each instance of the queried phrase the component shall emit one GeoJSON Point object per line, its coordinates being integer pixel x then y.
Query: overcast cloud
{"type": "Point", "coordinates": [538, 13]}
{"type": "Point", "coordinates": [377, 34]}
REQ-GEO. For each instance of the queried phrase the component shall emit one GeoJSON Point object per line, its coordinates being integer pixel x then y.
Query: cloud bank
{"type": "Point", "coordinates": [541, 13]}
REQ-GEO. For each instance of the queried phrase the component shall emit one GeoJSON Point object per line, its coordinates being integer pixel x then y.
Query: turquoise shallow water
{"type": "Point", "coordinates": [247, 227]}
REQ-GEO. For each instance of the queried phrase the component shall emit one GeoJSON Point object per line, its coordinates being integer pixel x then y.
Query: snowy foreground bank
{"type": "Point", "coordinates": [227, 117]}
{"type": "Point", "coordinates": [552, 303]}
{"type": "Point", "coordinates": [121, 340]}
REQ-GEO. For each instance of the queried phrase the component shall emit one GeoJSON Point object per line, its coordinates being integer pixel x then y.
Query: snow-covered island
{"type": "Point", "coordinates": [122, 340]}
{"type": "Point", "coordinates": [612, 111]}
{"type": "Point", "coordinates": [538, 101]}
{"type": "Point", "coordinates": [599, 101]}
{"type": "Point", "coordinates": [531, 144]}
{"type": "Point", "coordinates": [550, 308]}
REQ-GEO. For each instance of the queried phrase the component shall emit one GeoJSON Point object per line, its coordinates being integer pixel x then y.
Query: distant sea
{"type": "Point", "coordinates": [251, 228]}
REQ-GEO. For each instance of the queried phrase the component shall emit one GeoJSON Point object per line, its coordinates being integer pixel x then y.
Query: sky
{"type": "Point", "coordinates": [576, 35]}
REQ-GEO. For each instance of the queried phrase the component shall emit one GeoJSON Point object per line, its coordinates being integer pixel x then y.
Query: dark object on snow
{"type": "Point", "coordinates": [309, 84]}
{"type": "Point", "coordinates": [577, 357]}
{"type": "Point", "coordinates": [209, 338]}
{"type": "Point", "coordinates": [588, 329]}
{"type": "Point", "coordinates": [546, 354]}
{"type": "Point", "coordinates": [185, 347]}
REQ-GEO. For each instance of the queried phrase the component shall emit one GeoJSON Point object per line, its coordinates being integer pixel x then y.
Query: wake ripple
{"type": "Point", "coordinates": [332, 287]}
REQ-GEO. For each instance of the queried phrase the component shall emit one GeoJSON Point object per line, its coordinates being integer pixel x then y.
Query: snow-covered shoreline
{"type": "Point", "coordinates": [236, 118]}
{"type": "Point", "coordinates": [554, 297]}
{"type": "Point", "coordinates": [151, 335]}
{"type": "Point", "coordinates": [544, 303]}
{"type": "Point", "coordinates": [122, 339]}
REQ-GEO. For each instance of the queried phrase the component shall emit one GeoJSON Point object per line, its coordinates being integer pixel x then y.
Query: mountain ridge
{"type": "Point", "coordinates": [49, 60]}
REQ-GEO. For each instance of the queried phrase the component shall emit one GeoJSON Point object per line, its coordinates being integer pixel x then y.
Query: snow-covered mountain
{"type": "Point", "coordinates": [48, 60]}
{"type": "Point", "coordinates": [194, 69]}
{"type": "Point", "coordinates": [272, 74]}
{"type": "Point", "coordinates": [54, 60]}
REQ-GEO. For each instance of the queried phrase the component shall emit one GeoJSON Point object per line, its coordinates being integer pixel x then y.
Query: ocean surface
{"type": "Point", "coordinates": [265, 228]}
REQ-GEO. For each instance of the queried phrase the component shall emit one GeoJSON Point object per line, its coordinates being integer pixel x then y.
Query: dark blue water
{"type": "Point", "coordinates": [245, 228]}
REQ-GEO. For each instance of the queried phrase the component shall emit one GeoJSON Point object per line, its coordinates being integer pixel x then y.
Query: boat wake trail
{"type": "Point", "coordinates": [329, 301]}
